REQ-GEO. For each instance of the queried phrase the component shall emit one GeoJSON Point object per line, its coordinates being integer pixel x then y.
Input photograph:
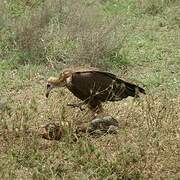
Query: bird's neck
{"type": "Point", "coordinates": [56, 81]}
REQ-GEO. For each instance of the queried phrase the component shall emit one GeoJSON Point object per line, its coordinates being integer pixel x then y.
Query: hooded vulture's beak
{"type": "Point", "coordinates": [48, 89]}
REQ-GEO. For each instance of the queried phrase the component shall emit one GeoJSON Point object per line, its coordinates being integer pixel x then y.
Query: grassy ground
{"type": "Point", "coordinates": [139, 40]}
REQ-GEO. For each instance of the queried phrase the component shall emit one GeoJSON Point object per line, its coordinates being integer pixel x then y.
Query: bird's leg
{"type": "Point", "coordinates": [77, 105]}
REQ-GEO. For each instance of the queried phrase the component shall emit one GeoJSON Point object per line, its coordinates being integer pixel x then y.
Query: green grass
{"type": "Point", "coordinates": [137, 40]}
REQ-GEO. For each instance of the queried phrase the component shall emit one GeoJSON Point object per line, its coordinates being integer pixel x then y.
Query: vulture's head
{"type": "Point", "coordinates": [62, 81]}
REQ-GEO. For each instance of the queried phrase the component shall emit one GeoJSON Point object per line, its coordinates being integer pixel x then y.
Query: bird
{"type": "Point", "coordinates": [93, 87]}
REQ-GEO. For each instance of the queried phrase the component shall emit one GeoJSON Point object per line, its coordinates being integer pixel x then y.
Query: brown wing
{"type": "Point", "coordinates": [101, 86]}
{"type": "Point", "coordinates": [98, 72]}
{"type": "Point", "coordinates": [90, 83]}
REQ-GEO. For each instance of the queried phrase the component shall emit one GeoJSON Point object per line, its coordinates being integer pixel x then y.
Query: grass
{"type": "Point", "coordinates": [137, 40]}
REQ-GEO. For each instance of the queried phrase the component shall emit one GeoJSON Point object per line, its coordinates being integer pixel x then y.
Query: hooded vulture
{"type": "Point", "coordinates": [93, 87]}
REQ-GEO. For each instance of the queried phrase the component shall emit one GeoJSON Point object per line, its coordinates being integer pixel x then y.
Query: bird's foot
{"type": "Point", "coordinates": [79, 105]}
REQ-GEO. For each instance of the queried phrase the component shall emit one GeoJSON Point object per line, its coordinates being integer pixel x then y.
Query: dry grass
{"type": "Point", "coordinates": [86, 37]}
{"type": "Point", "coordinates": [146, 146]}
{"type": "Point", "coordinates": [153, 7]}
{"type": "Point", "coordinates": [136, 39]}
{"type": "Point", "coordinates": [54, 33]}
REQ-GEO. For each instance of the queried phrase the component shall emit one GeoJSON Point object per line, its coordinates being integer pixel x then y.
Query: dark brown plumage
{"type": "Point", "coordinates": [94, 87]}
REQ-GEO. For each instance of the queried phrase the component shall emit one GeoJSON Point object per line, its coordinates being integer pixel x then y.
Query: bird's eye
{"type": "Point", "coordinates": [48, 85]}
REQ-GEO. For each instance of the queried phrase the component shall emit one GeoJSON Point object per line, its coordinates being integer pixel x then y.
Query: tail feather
{"type": "Point", "coordinates": [133, 87]}
{"type": "Point", "coordinates": [130, 89]}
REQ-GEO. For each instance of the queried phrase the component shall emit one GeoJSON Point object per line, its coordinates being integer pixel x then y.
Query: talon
{"type": "Point", "coordinates": [72, 105]}
{"type": "Point", "coordinates": [76, 106]}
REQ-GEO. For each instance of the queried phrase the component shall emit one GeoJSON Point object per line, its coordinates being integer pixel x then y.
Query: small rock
{"type": "Point", "coordinates": [111, 120]}
{"type": "Point", "coordinates": [103, 123]}
{"type": "Point", "coordinates": [52, 132]}
{"type": "Point", "coordinates": [98, 127]}
{"type": "Point", "coordinates": [112, 129]}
